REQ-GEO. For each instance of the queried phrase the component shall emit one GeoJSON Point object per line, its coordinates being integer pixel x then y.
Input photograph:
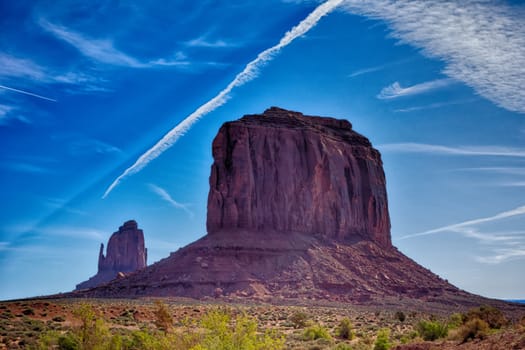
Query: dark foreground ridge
{"type": "Point", "coordinates": [297, 211]}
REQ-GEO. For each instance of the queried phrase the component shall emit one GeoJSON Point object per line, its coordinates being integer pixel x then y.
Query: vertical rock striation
{"type": "Point", "coordinates": [297, 209]}
{"type": "Point", "coordinates": [125, 253]}
{"type": "Point", "coordinates": [285, 172]}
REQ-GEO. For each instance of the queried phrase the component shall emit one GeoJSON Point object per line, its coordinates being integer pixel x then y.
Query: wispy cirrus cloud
{"type": "Point", "coordinates": [500, 246]}
{"type": "Point", "coordinates": [250, 72]}
{"type": "Point", "coordinates": [96, 49]}
{"type": "Point", "coordinates": [496, 151]}
{"type": "Point", "coordinates": [481, 42]}
{"type": "Point", "coordinates": [104, 50]}
{"type": "Point", "coordinates": [459, 226]}
{"type": "Point", "coordinates": [377, 68]}
{"type": "Point", "coordinates": [28, 168]}
{"type": "Point", "coordinates": [87, 146]}
{"type": "Point", "coordinates": [396, 90]}
{"type": "Point", "coordinates": [203, 41]}
{"type": "Point", "coordinates": [18, 70]}
{"type": "Point", "coordinates": [502, 255]}
{"type": "Point", "coordinates": [164, 195]}
{"type": "Point", "coordinates": [15, 67]}
{"type": "Point", "coordinates": [432, 106]}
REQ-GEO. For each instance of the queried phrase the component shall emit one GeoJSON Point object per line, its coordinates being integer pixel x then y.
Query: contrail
{"type": "Point", "coordinates": [166, 196]}
{"type": "Point", "coordinates": [506, 214]}
{"type": "Point", "coordinates": [27, 93]}
{"type": "Point", "coordinates": [249, 72]}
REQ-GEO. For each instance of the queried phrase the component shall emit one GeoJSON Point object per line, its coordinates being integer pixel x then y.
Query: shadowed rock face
{"type": "Point", "coordinates": [285, 172]}
{"type": "Point", "coordinates": [125, 253]}
{"type": "Point", "coordinates": [297, 210]}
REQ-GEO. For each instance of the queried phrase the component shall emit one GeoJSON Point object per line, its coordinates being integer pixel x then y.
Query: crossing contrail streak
{"type": "Point", "coordinates": [250, 71]}
{"type": "Point", "coordinates": [27, 93]}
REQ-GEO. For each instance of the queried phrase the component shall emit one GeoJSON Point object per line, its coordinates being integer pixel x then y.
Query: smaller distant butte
{"type": "Point", "coordinates": [126, 253]}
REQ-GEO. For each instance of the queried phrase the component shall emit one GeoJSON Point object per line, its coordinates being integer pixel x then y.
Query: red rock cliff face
{"type": "Point", "coordinates": [297, 210]}
{"type": "Point", "coordinates": [125, 253]}
{"type": "Point", "coordinates": [285, 172]}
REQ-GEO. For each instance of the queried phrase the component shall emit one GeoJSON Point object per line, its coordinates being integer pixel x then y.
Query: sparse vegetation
{"type": "Point", "coordinates": [344, 329]}
{"type": "Point", "coordinates": [432, 330]}
{"type": "Point", "coordinates": [134, 325]}
{"type": "Point", "coordinates": [491, 315]}
{"type": "Point", "coordinates": [473, 329]}
{"type": "Point", "coordinates": [299, 319]}
{"type": "Point", "coordinates": [316, 332]}
{"type": "Point", "coordinates": [163, 318]}
{"type": "Point", "coordinates": [383, 340]}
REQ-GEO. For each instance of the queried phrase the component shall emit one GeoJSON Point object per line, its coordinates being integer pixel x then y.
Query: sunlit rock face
{"type": "Point", "coordinates": [284, 172]}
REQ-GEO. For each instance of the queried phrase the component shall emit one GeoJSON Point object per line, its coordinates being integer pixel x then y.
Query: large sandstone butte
{"type": "Point", "coordinates": [297, 210]}
{"type": "Point", "coordinates": [125, 253]}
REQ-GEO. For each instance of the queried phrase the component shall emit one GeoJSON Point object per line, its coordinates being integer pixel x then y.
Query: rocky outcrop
{"type": "Point", "coordinates": [286, 172]}
{"type": "Point", "coordinates": [126, 253]}
{"type": "Point", "coordinates": [297, 210]}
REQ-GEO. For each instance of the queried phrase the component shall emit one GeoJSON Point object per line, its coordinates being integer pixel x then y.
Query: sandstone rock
{"type": "Point", "coordinates": [286, 172]}
{"type": "Point", "coordinates": [125, 253]}
{"type": "Point", "coordinates": [297, 210]}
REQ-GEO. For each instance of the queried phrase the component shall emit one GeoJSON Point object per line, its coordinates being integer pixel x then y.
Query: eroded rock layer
{"type": "Point", "coordinates": [126, 253]}
{"type": "Point", "coordinates": [286, 172]}
{"type": "Point", "coordinates": [297, 210]}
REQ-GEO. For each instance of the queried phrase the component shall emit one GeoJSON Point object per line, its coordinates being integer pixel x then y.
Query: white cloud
{"type": "Point", "coordinates": [378, 68]}
{"type": "Point", "coordinates": [88, 146]}
{"type": "Point", "coordinates": [204, 42]}
{"type": "Point", "coordinates": [481, 42]}
{"type": "Point", "coordinates": [503, 255]}
{"type": "Point", "coordinates": [73, 231]}
{"type": "Point", "coordinates": [163, 194]}
{"type": "Point", "coordinates": [396, 90]}
{"type": "Point", "coordinates": [14, 67]}
{"type": "Point", "coordinates": [496, 151]}
{"type": "Point", "coordinates": [98, 50]}
{"type": "Point", "coordinates": [27, 168]}
{"type": "Point", "coordinates": [462, 225]}
{"type": "Point", "coordinates": [5, 112]}
{"type": "Point", "coordinates": [432, 106]}
{"type": "Point", "coordinates": [500, 246]}
{"type": "Point", "coordinates": [250, 72]}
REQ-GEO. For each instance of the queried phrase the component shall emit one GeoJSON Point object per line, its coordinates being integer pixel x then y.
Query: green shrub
{"type": "Point", "coordinates": [383, 340]}
{"type": "Point", "coordinates": [473, 329]}
{"type": "Point", "coordinates": [93, 332]}
{"type": "Point", "coordinates": [342, 346]}
{"type": "Point", "coordinates": [163, 318]}
{"type": "Point", "coordinates": [68, 342]}
{"type": "Point", "coordinates": [344, 329]}
{"type": "Point", "coordinates": [432, 330]}
{"type": "Point", "coordinates": [316, 332]}
{"type": "Point", "coordinates": [456, 320]}
{"type": "Point", "coordinates": [299, 319]}
{"type": "Point", "coordinates": [491, 315]}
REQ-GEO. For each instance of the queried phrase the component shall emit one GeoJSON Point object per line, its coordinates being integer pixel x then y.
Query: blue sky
{"type": "Point", "coordinates": [88, 90]}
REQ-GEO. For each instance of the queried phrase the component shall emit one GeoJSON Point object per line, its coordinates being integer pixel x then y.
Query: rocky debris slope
{"type": "Point", "coordinates": [297, 210]}
{"type": "Point", "coordinates": [125, 253]}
